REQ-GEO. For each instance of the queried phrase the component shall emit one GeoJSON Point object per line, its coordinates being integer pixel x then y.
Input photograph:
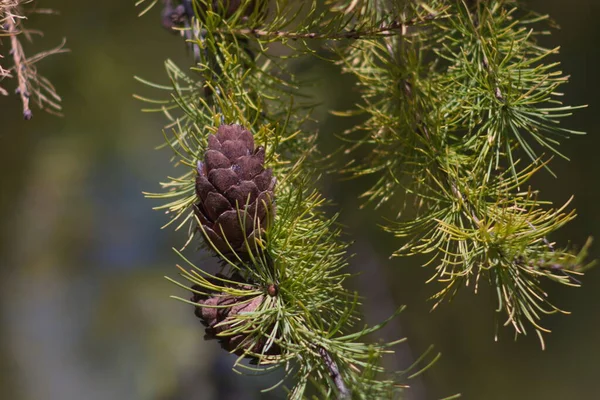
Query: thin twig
{"type": "Point", "coordinates": [31, 86]}
{"type": "Point", "coordinates": [18, 57]}
{"type": "Point", "coordinates": [334, 373]}
{"type": "Point", "coordinates": [393, 29]}
{"type": "Point", "coordinates": [4, 73]}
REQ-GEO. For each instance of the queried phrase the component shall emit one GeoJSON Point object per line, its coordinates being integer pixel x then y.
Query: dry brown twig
{"type": "Point", "coordinates": [4, 73]}
{"type": "Point", "coordinates": [30, 84]}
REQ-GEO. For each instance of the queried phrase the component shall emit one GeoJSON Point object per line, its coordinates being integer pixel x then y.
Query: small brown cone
{"type": "Point", "coordinates": [217, 309]}
{"type": "Point", "coordinates": [235, 192]}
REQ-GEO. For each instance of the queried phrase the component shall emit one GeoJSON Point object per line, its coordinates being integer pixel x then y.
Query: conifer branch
{"type": "Point", "coordinates": [458, 99]}
{"type": "Point", "coordinates": [472, 94]}
{"type": "Point", "coordinates": [280, 298]}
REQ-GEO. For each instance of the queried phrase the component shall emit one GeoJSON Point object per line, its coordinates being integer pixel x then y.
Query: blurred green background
{"type": "Point", "coordinates": [85, 312]}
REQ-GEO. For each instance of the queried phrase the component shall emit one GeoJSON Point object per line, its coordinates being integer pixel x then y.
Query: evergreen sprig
{"type": "Point", "coordinates": [302, 318]}
{"type": "Point", "coordinates": [451, 108]}
{"type": "Point", "coordinates": [460, 104]}
{"type": "Point", "coordinates": [311, 314]}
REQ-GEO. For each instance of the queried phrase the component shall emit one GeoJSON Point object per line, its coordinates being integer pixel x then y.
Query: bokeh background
{"type": "Point", "coordinates": [84, 310]}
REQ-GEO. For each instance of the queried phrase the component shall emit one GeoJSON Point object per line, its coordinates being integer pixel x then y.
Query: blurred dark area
{"type": "Point", "coordinates": [85, 311]}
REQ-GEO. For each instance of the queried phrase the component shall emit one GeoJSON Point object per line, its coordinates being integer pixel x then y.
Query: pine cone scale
{"type": "Point", "coordinates": [264, 180]}
{"type": "Point", "coordinates": [248, 167]}
{"type": "Point", "coordinates": [228, 225]}
{"type": "Point", "coordinates": [234, 149]}
{"type": "Point", "coordinates": [215, 205]}
{"type": "Point", "coordinates": [243, 194]}
{"type": "Point", "coordinates": [222, 178]}
{"type": "Point", "coordinates": [216, 159]}
{"type": "Point", "coordinates": [214, 143]}
{"type": "Point", "coordinates": [203, 187]}
{"type": "Point", "coordinates": [216, 240]}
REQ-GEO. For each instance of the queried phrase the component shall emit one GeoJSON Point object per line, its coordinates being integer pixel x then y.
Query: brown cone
{"type": "Point", "coordinates": [229, 306]}
{"type": "Point", "coordinates": [234, 190]}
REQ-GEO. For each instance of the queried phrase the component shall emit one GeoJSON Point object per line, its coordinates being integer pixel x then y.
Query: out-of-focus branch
{"type": "Point", "coordinates": [4, 73]}
{"type": "Point", "coordinates": [30, 84]}
{"type": "Point", "coordinates": [19, 58]}
{"type": "Point", "coordinates": [5, 7]}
